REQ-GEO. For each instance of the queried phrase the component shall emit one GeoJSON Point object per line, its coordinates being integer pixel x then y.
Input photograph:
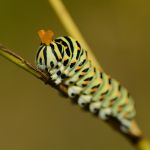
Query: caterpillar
{"type": "Point", "coordinates": [67, 63]}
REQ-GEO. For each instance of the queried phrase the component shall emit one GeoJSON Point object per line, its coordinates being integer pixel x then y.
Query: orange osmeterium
{"type": "Point", "coordinates": [46, 36]}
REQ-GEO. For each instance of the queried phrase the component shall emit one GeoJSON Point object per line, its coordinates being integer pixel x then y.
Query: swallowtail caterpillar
{"type": "Point", "coordinates": [67, 63]}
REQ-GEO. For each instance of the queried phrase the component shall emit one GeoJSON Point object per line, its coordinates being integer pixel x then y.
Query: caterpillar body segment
{"type": "Point", "coordinates": [67, 63]}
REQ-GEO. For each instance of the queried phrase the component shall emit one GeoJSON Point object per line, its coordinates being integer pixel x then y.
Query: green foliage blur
{"type": "Point", "coordinates": [34, 116]}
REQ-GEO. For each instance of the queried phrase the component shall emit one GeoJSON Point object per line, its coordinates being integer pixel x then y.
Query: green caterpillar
{"type": "Point", "coordinates": [67, 63]}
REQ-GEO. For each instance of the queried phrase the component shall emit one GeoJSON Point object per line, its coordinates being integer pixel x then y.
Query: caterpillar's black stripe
{"type": "Point", "coordinates": [70, 42]}
{"type": "Point", "coordinates": [60, 50]}
{"type": "Point", "coordinates": [40, 61]}
{"type": "Point", "coordinates": [68, 51]}
{"type": "Point", "coordinates": [52, 48]}
{"type": "Point", "coordinates": [72, 64]}
{"type": "Point", "coordinates": [65, 44]}
{"type": "Point", "coordinates": [82, 63]}
{"type": "Point", "coordinates": [78, 44]}
{"type": "Point", "coordinates": [45, 55]}
{"type": "Point", "coordinates": [78, 54]}
{"type": "Point", "coordinates": [66, 62]}
{"type": "Point", "coordinates": [39, 50]}
{"type": "Point", "coordinates": [60, 41]}
{"type": "Point", "coordinates": [88, 79]}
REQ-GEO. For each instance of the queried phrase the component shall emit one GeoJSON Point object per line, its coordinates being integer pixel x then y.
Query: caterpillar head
{"type": "Point", "coordinates": [46, 57]}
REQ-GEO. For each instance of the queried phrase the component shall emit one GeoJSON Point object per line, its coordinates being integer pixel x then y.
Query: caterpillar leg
{"type": "Point", "coordinates": [74, 91]}
{"type": "Point", "coordinates": [105, 113]}
{"type": "Point", "coordinates": [56, 73]}
{"type": "Point", "coordinates": [125, 126]}
{"type": "Point", "coordinates": [95, 106]}
{"type": "Point", "coordinates": [84, 99]}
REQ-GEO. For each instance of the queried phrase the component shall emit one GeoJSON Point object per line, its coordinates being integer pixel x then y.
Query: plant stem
{"type": "Point", "coordinates": [16, 59]}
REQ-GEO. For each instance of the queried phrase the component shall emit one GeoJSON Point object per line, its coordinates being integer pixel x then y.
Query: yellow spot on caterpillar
{"type": "Point", "coordinates": [78, 68]}
{"type": "Point", "coordinates": [83, 73]}
{"type": "Point", "coordinates": [93, 90]}
{"type": "Point", "coordinates": [46, 36]}
{"type": "Point", "coordinates": [65, 47]}
{"type": "Point", "coordinates": [86, 82]}
{"type": "Point", "coordinates": [127, 101]}
{"type": "Point", "coordinates": [126, 115]}
{"type": "Point", "coordinates": [73, 61]}
{"type": "Point", "coordinates": [65, 58]}
{"type": "Point", "coordinates": [118, 93]}
{"type": "Point", "coordinates": [120, 108]}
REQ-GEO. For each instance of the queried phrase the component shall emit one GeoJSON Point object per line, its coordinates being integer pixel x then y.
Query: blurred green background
{"type": "Point", "coordinates": [33, 116]}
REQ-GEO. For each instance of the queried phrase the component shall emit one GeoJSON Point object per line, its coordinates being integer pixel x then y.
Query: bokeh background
{"type": "Point", "coordinates": [34, 116]}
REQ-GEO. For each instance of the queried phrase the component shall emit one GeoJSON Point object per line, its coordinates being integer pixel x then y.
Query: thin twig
{"type": "Point", "coordinates": [16, 59]}
{"type": "Point", "coordinates": [143, 145]}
